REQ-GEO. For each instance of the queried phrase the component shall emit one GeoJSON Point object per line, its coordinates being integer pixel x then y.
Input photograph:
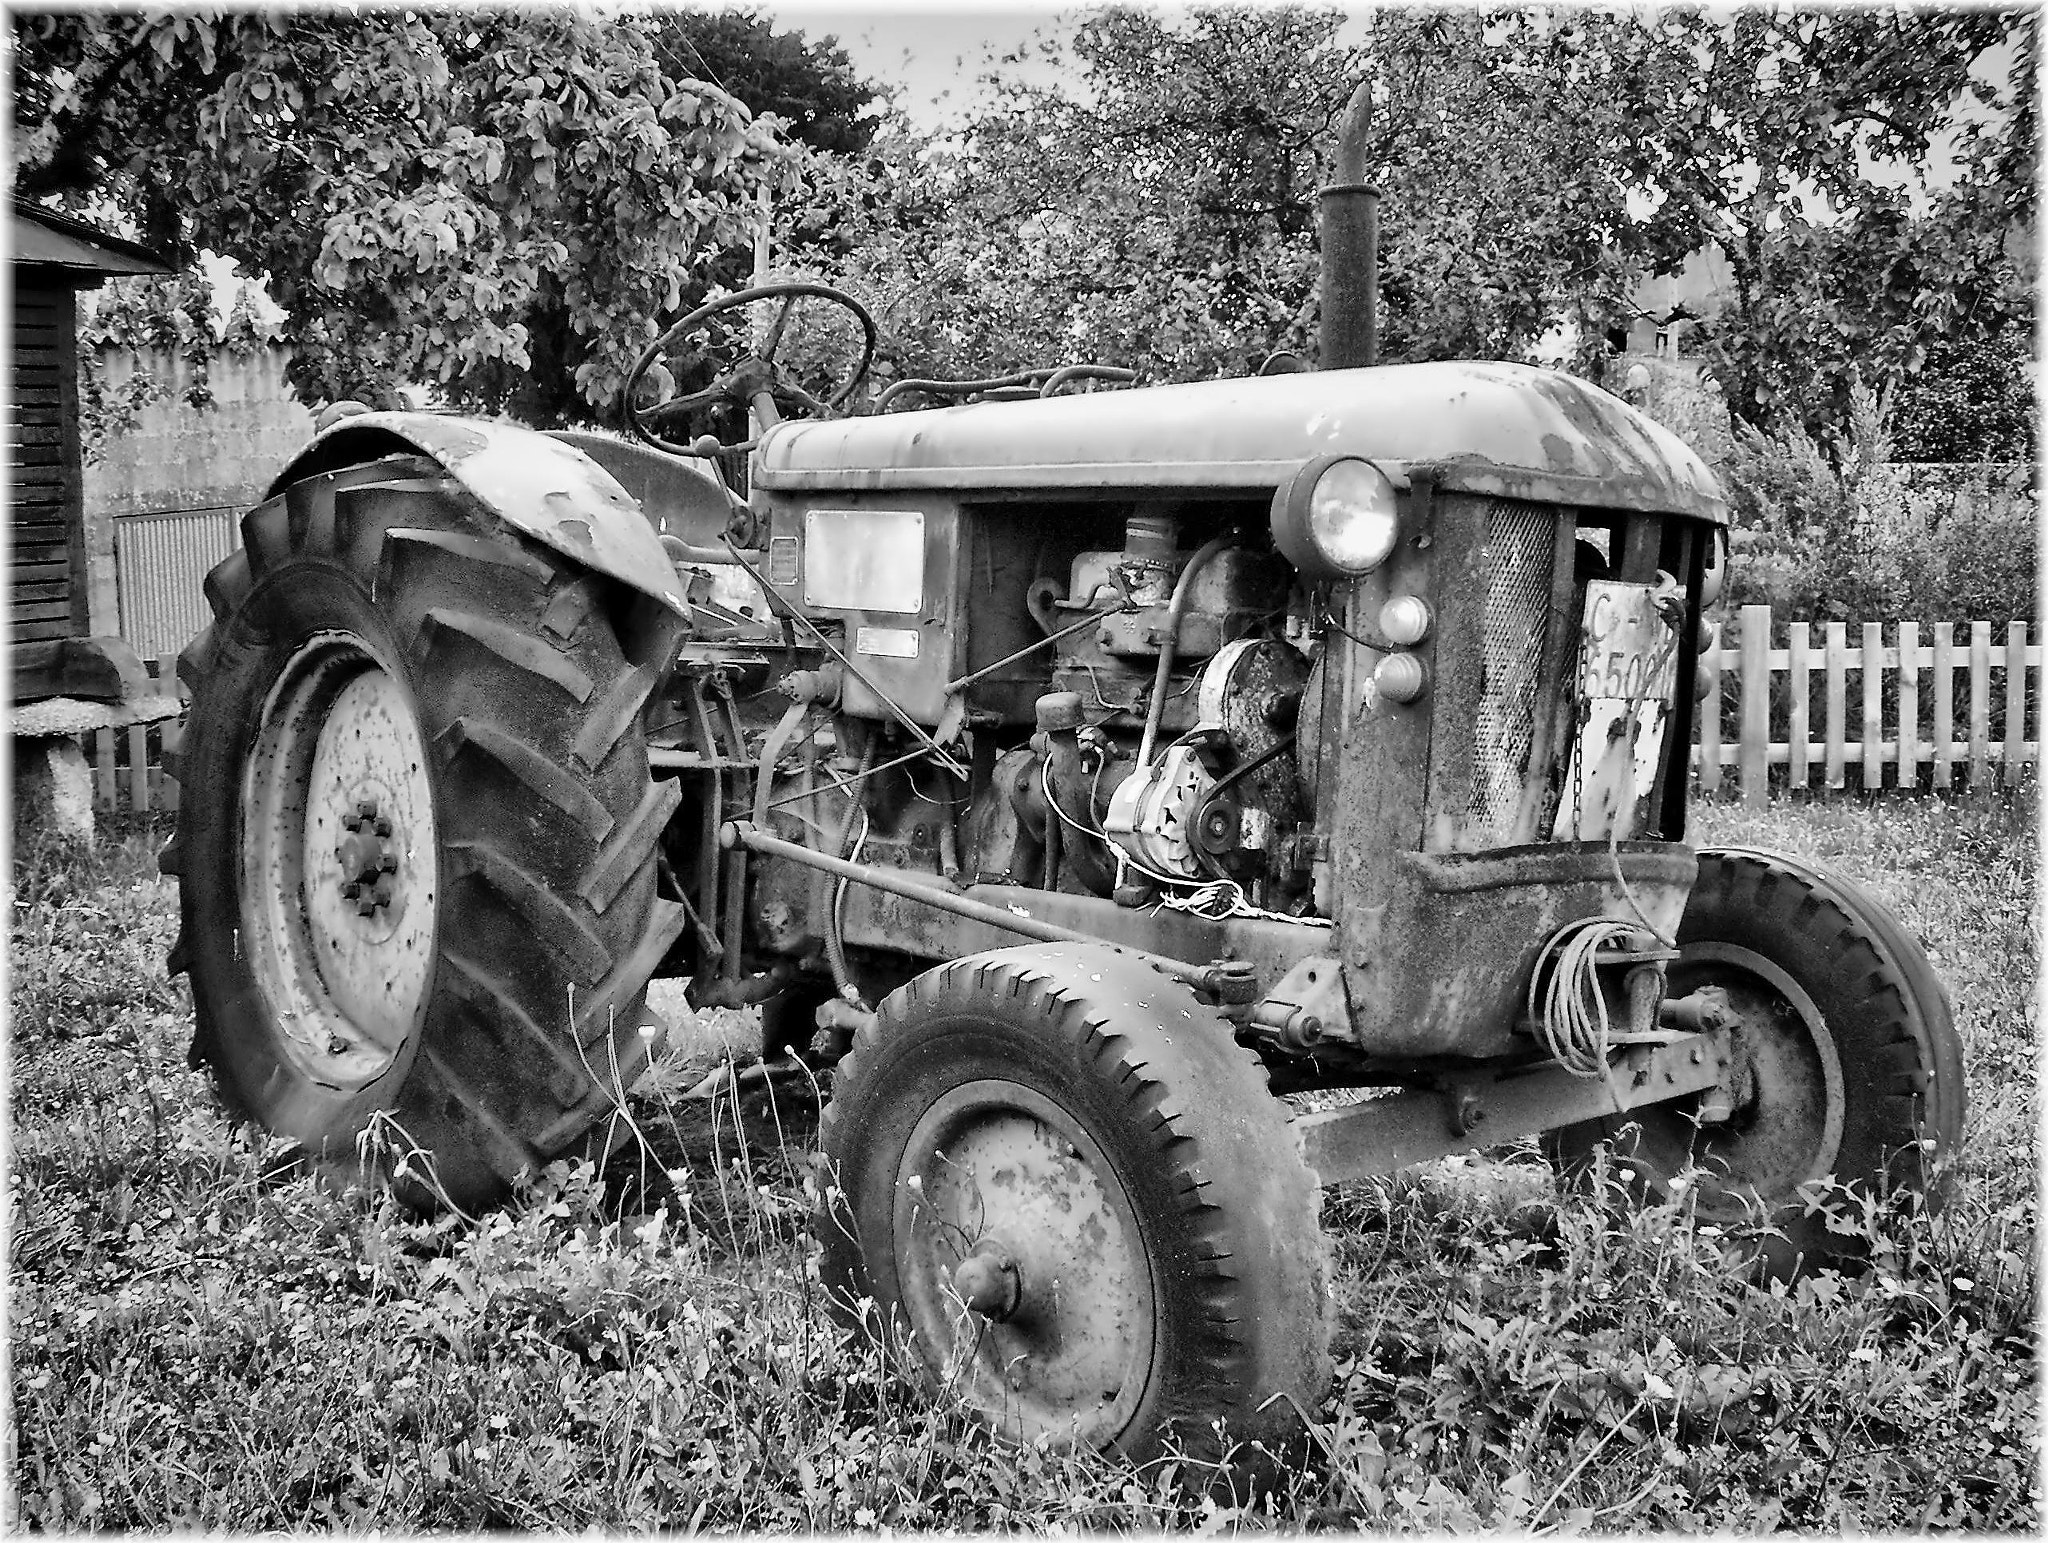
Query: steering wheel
{"type": "Point", "coordinates": [752, 381]}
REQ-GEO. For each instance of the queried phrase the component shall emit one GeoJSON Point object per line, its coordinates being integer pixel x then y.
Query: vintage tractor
{"type": "Point", "coordinates": [1075, 774]}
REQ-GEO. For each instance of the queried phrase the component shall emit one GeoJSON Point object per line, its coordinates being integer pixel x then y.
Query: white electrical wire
{"type": "Point", "coordinates": [1571, 1017]}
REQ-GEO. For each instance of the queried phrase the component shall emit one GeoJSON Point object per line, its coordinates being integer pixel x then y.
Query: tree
{"type": "Point", "coordinates": [500, 204]}
{"type": "Point", "coordinates": [1159, 207]}
{"type": "Point", "coordinates": [1802, 144]}
{"type": "Point", "coordinates": [1971, 402]}
{"type": "Point", "coordinates": [809, 85]}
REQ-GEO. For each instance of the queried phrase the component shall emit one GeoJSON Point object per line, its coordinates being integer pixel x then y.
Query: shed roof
{"type": "Point", "coordinates": [43, 238]}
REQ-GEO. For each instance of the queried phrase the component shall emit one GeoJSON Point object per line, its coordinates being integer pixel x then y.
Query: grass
{"type": "Point", "coordinates": [200, 1340]}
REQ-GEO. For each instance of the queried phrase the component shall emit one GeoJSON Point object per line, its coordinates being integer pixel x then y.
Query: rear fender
{"type": "Point", "coordinates": [538, 485]}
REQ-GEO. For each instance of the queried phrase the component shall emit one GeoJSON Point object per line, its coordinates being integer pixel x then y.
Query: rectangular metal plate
{"type": "Point", "coordinates": [1628, 666]}
{"type": "Point", "coordinates": [864, 559]}
{"type": "Point", "coordinates": [888, 642]}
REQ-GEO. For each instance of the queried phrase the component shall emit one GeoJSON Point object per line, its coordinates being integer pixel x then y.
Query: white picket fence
{"type": "Point", "coordinates": [1900, 716]}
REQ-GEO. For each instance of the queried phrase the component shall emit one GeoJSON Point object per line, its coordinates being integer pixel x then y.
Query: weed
{"type": "Point", "coordinates": [204, 1337]}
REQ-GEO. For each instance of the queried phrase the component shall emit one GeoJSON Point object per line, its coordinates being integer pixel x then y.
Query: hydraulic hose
{"type": "Point", "coordinates": [1169, 646]}
{"type": "Point", "coordinates": [835, 941]}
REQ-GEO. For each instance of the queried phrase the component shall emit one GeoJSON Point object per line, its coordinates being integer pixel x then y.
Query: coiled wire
{"type": "Point", "coordinates": [1568, 1009]}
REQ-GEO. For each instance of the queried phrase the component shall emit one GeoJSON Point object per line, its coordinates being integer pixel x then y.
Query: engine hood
{"type": "Point", "coordinates": [1504, 429]}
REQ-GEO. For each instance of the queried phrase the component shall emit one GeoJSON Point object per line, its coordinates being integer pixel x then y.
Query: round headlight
{"type": "Point", "coordinates": [1336, 518]}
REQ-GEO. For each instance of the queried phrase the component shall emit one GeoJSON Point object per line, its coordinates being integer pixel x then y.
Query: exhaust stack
{"type": "Point", "coordinates": [1350, 278]}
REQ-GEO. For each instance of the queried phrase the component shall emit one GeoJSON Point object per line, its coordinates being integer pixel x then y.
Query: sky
{"type": "Point", "coordinates": [932, 53]}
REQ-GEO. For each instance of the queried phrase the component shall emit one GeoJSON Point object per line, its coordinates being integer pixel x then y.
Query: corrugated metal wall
{"type": "Point", "coordinates": [162, 561]}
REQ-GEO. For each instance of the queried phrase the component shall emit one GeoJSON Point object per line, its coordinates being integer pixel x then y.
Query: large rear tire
{"type": "Point", "coordinates": [1850, 1067]}
{"type": "Point", "coordinates": [1054, 1179]}
{"type": "Point", "coordinates": [416, 834]}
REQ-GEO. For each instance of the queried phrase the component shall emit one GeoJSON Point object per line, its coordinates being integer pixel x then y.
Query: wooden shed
{"type": "Point", "coordinates": [53, 257]}
{"type": "Point", "coordinates": [64, 682]}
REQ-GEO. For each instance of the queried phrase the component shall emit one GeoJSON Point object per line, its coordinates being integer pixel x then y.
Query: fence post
{"type": "Point", "coordinates": [103, 768]}
{"type": "Point", "coordinates": [1799, 676]}
{"type": "Point", "coordinates": [1755, 748]}
{"type": "Point", "coordinates": [1710, 716]}
{"type": "Point", "coordinates": [1980, 704]}
{"type": "Point", "coordinates": [1837, 730]}
{"type": "Point", "coordinates": [138, 767]}
{"type": "Point", "coordinates": [1909, 704]}
{"type": "Point", "coordinates": [2015, 703]}
{"type": "Point", "coordinates": [1873, 706]}
{"type": "Point", "coordinates": [1944, 703]}
{"type": "Point", "coordinates": [164, 669]}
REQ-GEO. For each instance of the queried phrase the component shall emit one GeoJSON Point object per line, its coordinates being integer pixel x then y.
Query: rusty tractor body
{"type": "Point", "coordinates": [1076, 774]}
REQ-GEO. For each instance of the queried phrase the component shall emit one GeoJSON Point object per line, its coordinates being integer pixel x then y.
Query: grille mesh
{"type": "Point", "coordinates": [1519, 544]}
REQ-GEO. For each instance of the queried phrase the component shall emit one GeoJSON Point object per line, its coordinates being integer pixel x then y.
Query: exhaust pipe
{"type": "Point", "coordinates": [1350, 277]}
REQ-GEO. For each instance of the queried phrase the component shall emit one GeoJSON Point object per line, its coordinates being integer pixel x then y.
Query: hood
{"type": "Point", "coordinates": [1507, 430]}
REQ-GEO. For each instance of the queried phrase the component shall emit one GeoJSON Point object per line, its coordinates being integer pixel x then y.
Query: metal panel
{"type": "Point", "coordinates": [1519, 542]}
{"type": "Point", "coordinates": [1501, 430]}
{"type": "Point", "coordinates": [160, 562]}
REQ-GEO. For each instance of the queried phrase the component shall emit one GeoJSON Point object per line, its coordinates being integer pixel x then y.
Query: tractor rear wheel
{"type": "Point", "coordinates": [1848, 1062]}
{"type": "Point", "coordinates": [416, 836]}
{"type": "Point", "coordinates": [1052, 1177]}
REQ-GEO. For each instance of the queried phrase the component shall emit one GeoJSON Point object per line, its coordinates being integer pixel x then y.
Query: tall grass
{"type": "Point", "coordinates": [202, 1337]}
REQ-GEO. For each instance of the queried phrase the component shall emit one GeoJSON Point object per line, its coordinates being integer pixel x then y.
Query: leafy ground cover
{"type": "Point", "coordinates": [202, 1337]}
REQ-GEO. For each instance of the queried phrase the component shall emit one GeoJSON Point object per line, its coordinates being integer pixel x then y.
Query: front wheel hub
{"type": "Point", "coordinates": [988, 1281]}
{"type": "Point", "coordinates": [1023, 1263]}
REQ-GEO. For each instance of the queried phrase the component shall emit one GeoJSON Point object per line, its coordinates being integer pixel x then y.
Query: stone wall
{"type": "Point", "coordinates": [185, 460]}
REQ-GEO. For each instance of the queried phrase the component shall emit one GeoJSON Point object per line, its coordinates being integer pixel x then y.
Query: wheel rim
{"type": "Point", "coordinates": [1785, 1129]}
{"type": "Point", "coordinates": [339, 862]}
{"type": "Point", "coordinates": [1024, 1276]}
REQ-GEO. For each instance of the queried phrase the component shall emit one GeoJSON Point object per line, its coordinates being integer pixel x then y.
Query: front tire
{"type": "Point", "coordinates": [416, 834]}
{"type": "Point", "coordinates": [1850, 1064]}
{"type": "Point", "coordinates": [1054, 1178]}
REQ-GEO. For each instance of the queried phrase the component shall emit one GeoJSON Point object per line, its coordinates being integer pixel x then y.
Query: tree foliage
{"type": "Point", "coordinates": [1972, 402]}
{"type": "Point", "coordinates": [1158, 207]}
{"type": "Point", "coordinates": [1806, 145]}
{"type": "Point", "coordinates": [810, 85]}
{"type": "Point", "coordinates": [497, 203]}
{"type": "Point", "coordinates": [504, 204]}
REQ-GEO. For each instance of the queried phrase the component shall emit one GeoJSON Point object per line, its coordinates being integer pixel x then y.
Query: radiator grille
{"type": "Point", "coordinates": [1517, 569]}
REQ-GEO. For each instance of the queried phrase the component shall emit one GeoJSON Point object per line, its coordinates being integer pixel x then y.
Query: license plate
{"type": "Point", "coordinates": [1628, 666]}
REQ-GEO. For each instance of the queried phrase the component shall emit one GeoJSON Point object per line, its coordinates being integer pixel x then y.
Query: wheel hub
{"type": "Point", "coordinates": [989, 1282]}
{"type": "Point", "coordinates": [1022, 1268]}
{"type": "Point", "coordinates": [368, 858]}
{"type": "Point", "coordinates": [1775, 1123]}
{"type": "Point", "coordinates": [339, 861]}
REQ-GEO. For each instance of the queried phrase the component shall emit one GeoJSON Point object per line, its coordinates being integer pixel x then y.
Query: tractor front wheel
{"type": "Point", "coordinates": [1054, 1179]}
{"type": "Point", "coordinates": [1847, 1062]}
